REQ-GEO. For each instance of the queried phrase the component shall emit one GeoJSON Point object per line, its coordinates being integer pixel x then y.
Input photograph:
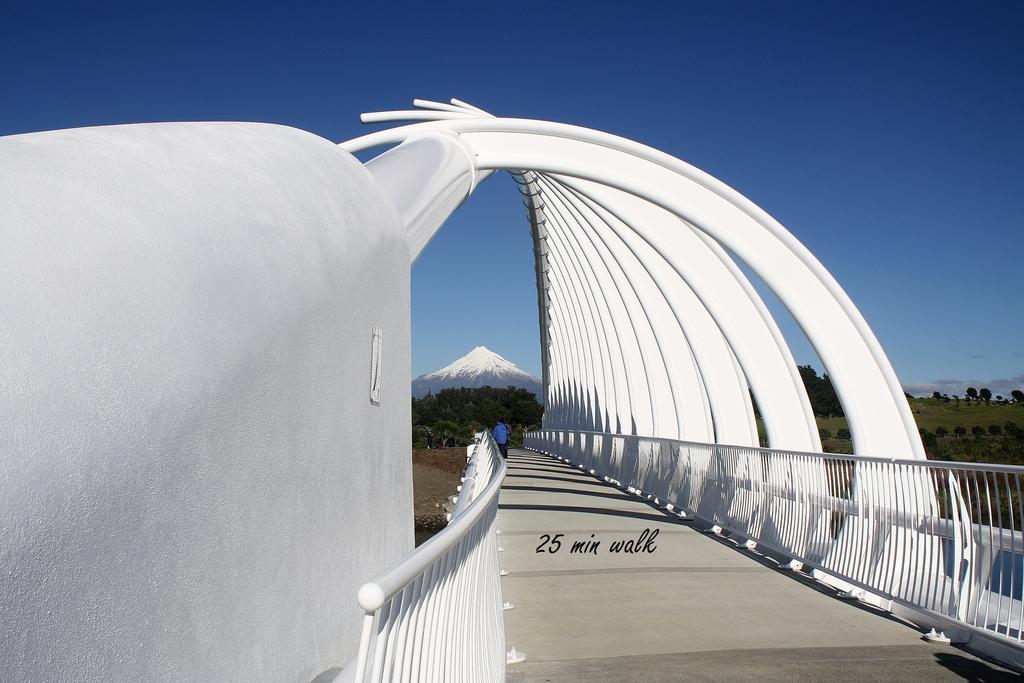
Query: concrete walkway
{"type": "Point", "coordinates": [695, 608]}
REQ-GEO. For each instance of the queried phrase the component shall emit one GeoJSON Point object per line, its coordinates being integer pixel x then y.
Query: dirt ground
{"type": "Point", "coordinates": [435, 476]}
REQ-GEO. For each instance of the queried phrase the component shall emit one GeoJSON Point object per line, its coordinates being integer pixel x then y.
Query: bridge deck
{"type": "Point", "coordinates": [696, 608]}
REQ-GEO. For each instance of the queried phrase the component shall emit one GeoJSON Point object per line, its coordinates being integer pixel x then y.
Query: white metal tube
{"type": "Point", "coordinates": [412, 115]}
{"type": "Point", "coordinates": [566, 261]}
{"type": "Point", "coordinates": [619, 324]}
{"type": "Point", "coordinates": [426, 177]}
{"type": "Point", "coordinates": [440, 106]}
{"type": "Point", "coordinates": [689, 417]}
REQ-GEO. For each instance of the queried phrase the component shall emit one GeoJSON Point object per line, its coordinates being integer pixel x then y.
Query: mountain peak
{"type": "Point", "coordinates": [481, 360]}
{"type": "Point", "coordinates": [480, 367]}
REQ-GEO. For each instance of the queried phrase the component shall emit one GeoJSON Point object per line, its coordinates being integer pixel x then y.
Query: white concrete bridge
{"type": "Point", "coordinates": [206, 427]}
{"type": "Point", "coordinates": [690, 606]}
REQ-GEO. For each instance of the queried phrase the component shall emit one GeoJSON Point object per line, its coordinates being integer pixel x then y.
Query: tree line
{"type": "Point", "coordinates": [821, 393]}
{"type": "Point", "coordinates": [982, 395]}
{"type": "Point", "coordinates": [452, 416]}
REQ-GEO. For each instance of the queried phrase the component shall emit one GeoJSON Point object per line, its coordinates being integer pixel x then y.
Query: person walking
{"type": "Point", "coordinates": [501, 434]}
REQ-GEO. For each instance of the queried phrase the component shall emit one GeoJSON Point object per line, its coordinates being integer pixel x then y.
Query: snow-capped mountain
{"type": "Point", "coordinates": [481, 367]}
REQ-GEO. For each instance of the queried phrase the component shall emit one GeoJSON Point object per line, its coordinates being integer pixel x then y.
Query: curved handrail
{"type": "Point", "coordinates": [375, 592]}
{"type": "Point", "coordinates": [425, 630]}
{"type": "Point", "coordinates": [939, 464]}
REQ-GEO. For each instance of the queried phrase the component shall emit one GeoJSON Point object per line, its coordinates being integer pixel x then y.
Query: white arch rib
{"type": "Point", "coordinates": [617, 395]}
{"type": "Point", "coordinates": [652, 416]}
{"type": "Point", "coordinates": [598, 309]}
{"type": "Point", "coordinates": [598, 188]}
{"type": "Point", "coordinates": [732, 302]}
{"type": "Point", "coordinates": [720, 385]}
{"type": "Point", "coordinates": [672, 412]}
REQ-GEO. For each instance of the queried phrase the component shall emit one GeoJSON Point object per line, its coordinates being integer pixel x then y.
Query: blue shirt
{"type": "Point", "coordinates": [501, 433]}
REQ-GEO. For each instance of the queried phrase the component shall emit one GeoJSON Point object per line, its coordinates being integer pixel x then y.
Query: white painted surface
{"type": "Point", "coordinates": [426, 178]}
{"type": "Point", "coordinates": [194, 479]}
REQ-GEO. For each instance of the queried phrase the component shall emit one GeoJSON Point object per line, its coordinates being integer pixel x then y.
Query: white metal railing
{"type": "Point", "coordinates": [941, 538]}
{"type": "Point", "coordinates": [437, 615]}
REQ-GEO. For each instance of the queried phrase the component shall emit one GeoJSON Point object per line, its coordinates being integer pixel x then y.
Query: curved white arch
{"type": "Point", "coordinates": [618, 396]}
{"type": "Point", "coordinates": [688, 417]}
{"type": "Point", "coordinates": [649, 357]}
{"type": "Point", "coordinates": [879, 416]}
{"type": "Point", "coordinates": [601, 308]}
{"type": "Point", "coordinates": [721, 387]}
{"type": "Point", "coordinates": [735, 311]}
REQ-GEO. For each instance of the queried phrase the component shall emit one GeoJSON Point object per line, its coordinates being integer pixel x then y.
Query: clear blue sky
{"type": "Point", "coordinates": [888, 137]}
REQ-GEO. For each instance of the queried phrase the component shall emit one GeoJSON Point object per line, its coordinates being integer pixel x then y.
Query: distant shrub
{"type": "Point", "coordinates": [959, 430]}
{"type": "Point", "coordinates": [843, 434]}
{"type": "Point", "coordinates": [941, 431]}
{"type": "Point", "coordinates": [820, 392]}
{"type": "Point", "coordinates": [824, 433]}
{"type": "Point", "coordinates": [995, 430]}
{"type": "Point", "coordinates": [977, 431]}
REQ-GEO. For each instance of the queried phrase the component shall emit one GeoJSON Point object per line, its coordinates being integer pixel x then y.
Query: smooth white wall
{"type": "Point", "coordinates": [194, 479]}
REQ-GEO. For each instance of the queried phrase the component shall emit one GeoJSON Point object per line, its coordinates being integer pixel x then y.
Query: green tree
{"type": "Point", "coordinates": [972, 393]}
{"type": "Point", "coordinates": [468, 430]}
{"type": "Point", "coordinates": [1018, 395]}
{"type": "Point", "coordinates": [445, 431]}
{"type": "Point", "coordinates": [985, 395]}
{"type": "Point", "coordinates": [995, 430]}
{"type": "Point", "coordinates": [824, 433]}
{"type": "Point", "coordinates": [843, 434]}
{"type": "Point", "coordinates": [977, 431]}
{"type": "Point", "coordinates": [936, 395]}
{"type": "Point", "coordinates": [959, 430]}
{"type": "Point", "coordinates": [941, 431]}
{"type": "Point", "coordinates": [472, 410]}
{"type": "Point", "coordinates": [821, 393]}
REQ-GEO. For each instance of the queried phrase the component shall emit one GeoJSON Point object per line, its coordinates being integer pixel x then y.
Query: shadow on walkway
{"type": "Point", "coordinates": [698, 614]}
{"type": "Point", "coordinates": [589, 481]}
{"type": "Point", "coordinates": [659, 518]}
{"type": "Point", "coordinates": [614, 495]}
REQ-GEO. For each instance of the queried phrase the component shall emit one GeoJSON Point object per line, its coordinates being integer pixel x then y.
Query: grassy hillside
{"type": "Point", "coordinates": [931, 414]}
{"type": "Point", "coordinates": [939, 421]}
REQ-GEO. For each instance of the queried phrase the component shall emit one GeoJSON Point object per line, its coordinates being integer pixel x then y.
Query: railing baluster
{"type": "Point", "coordinates": [990, 556]}
{"type": "Point", "coordinates": [910, 531]}
{"type": "Point", "coordinates": [381, 642]}
{"type": "Point", "coordinates": [915, 532]}
{"type": "Point", "coordinates": [422, 621]}
{"type": "Point", "coordinates": [1020, 579]}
